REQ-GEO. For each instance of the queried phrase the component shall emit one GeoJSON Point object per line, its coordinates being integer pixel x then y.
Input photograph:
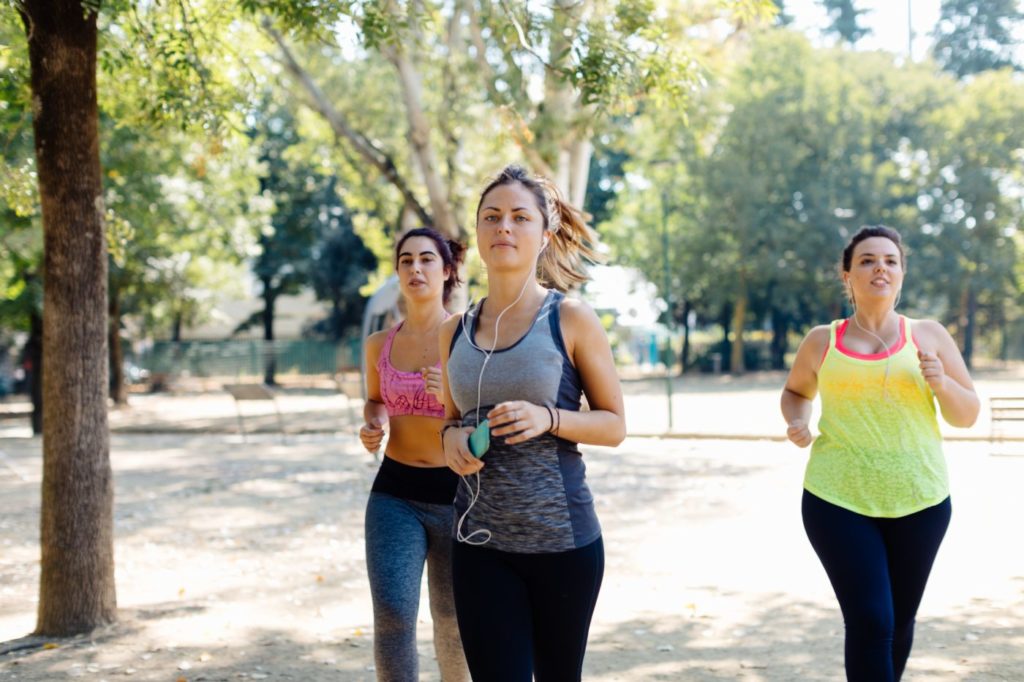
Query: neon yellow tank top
{"type": "Point", "coordinates": [879, 452]}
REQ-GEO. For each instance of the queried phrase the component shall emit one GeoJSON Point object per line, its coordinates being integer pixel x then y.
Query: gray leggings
{"type": "Point", "coordinates": [400, 535]}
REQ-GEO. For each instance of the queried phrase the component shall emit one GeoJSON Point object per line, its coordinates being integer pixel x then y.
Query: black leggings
{"type": "Point", "coordinates": [522, 615]}
{"type": "Point", "coordinates": [878, 568]}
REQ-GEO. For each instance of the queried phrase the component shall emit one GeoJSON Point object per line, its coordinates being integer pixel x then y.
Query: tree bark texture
{"type": "Point", "coordinates": [76, 590]}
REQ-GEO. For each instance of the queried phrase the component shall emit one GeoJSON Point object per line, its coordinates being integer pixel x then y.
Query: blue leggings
{"type": "Point", "coordinates": [526, 615]}
{"type": "Point", "coordinates": [400, 536]}
{"type": "Point", "coordinates": [878, 568]}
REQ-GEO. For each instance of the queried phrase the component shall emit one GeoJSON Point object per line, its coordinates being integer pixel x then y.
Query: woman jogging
{"type": "Point", "coordinates": [528, 558]}
{"type": "Point", "coordinates": [876, 498]}
{"type": "Point", "coordinates": [409, 513]}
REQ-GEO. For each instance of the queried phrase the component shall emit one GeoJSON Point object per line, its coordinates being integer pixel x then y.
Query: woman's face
{"type": "Point", "coordinates": [421, 270]}
{"type": "Point", "coordinates": [510, 228]}
{"type": "Point", "coordinates": [876, 270]}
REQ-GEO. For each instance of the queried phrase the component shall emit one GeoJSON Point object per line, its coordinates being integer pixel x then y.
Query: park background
{"type": "Point", "coordinates": [218, 206]}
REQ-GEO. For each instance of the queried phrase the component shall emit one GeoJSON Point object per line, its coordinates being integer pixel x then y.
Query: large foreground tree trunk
{"type": "Point", "coordinates": [76, 587]}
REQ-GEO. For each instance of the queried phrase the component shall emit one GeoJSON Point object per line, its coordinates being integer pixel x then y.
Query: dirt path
{"type": "Point", "coordinates": [244, 561]}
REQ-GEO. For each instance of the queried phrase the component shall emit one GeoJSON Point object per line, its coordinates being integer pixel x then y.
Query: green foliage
{"type": "Point", "coordinates": [796, 148]}
{"type": "Point", "coordinates": [978, 35]}
{"type": "Point", "coordinates": [310, 239]}
{"type": "Point", "coordinates": [187, 64]}
{"type": "Point", "coordinates": [340, 267]}
{"type": "Point", "coordinates": [782, 18]}
{"type": "Point", "coordinates": [20, 235]}
{"type": "Point", "coordinates": [845, 20]}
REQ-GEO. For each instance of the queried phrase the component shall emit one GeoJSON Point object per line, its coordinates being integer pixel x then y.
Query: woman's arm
{"type": "Point", "coordinates": [587, 345]}
{"type": "Point", "coordinates": [802, 385]}
{"type": "Point", "coordinates": [454, 437]}
{"type": "Point", "coordinates": [375, 414]}
{"type": "Point", "coordinates": [946, 372]}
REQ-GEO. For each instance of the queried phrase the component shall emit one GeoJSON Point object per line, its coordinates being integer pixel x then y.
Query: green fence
{"type": "Point", "coordinates": [248, 358]}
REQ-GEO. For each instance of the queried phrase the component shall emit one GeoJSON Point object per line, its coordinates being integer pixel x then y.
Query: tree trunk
{"type": "Point", "coordinates": [555, 135]}
{"type": "Point", "coordinates": [725, 320]}
{"type": "Point", "coordinates": [684, 359]}
{"type": "Point", "coordinates": [269, 357]}
{"type": "Point", "coordinates": [970, 317]}
{"type": "Point", "coordinates": [76, 586]}
{"type": "Point", "coordinates": [34, 353]}
{"type": "Point", "coordinates": [739, 319]}
{"type": "Point", "coordinates": [117, 387]}
{"type": "Point", "coordinates": [579, 170]}
{"type": "Point", "coordinates": [780, 342]}
{"type": "Point", "coordinates": [343, 130]}
{"type": "Point", "coordinates": [176, 327]}
{"type": "Point", "coordinates": [419, 138]}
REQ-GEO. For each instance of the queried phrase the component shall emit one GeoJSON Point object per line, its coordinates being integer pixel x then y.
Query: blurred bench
{"type": "Point", "coordinates": [1005, 411]}
{"type": "Point", "coordinates": [255, 393]}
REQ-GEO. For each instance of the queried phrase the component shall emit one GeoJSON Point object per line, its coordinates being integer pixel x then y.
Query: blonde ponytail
{"type": "Point", "coordinates": [573, 246]}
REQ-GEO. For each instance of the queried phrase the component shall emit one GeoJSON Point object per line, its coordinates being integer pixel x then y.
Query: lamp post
{"type": "Point", "coordinates": [670, 322]}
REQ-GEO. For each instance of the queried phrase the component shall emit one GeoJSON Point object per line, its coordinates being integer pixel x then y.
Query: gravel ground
{"type": "Point", "coordinates": [244, 561]}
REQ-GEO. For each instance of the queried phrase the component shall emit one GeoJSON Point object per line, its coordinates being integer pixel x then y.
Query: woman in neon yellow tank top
{"type": "Point", "coordinates": [876, 498]}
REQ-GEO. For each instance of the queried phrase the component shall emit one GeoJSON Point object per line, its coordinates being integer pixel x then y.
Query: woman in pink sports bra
{"type": "Point", "coordinates": [409, 512]}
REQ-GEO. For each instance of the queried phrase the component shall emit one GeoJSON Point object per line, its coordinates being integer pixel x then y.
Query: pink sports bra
{"type": "Point", "coordinates": [404, 393]}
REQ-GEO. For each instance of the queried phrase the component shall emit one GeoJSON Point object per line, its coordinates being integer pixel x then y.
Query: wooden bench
{"type": "Point", "coordinates": [1005, 410]}
{"type": "Point", "coordinates": [253, 392]}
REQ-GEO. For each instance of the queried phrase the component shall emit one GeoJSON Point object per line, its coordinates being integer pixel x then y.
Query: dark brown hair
{"type": "Point", "coordinates": [868, 232]}
{"type": "Point", "coordinates": [573, 244]}
{"type": "Point", "coordinates": [451, 253]}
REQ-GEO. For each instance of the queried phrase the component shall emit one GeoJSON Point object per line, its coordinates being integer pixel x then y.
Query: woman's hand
{"type": "Point", "coordinates": [519, 420]}
{"type": "Point", "coordinates": [432, 379]}
{"type": "Point", "coordinates": [932, 370]}
{"type": "Point", "coordinates": [799, 433]}
{"type": "Point", "coordinates": [455, 442]}
{"type": "Point", "coordinates": [372, 433]}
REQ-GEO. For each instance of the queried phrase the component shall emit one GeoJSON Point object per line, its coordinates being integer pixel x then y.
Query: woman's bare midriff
{"type": "Point", "coordinates": [416, 441]}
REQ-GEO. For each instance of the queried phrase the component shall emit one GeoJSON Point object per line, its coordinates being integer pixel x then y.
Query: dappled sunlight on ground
{"type": "Point", "coordinates": [247, 558]}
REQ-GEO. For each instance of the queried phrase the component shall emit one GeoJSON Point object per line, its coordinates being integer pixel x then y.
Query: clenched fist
{"type": "Point", "coordinates": [931, 369]}
{"type": "Point", "coordinates": [432, 379]}
{"type": "Point", "coordinates": [799, 433]}
{"type": "Point", "coordinates": [372, 433]}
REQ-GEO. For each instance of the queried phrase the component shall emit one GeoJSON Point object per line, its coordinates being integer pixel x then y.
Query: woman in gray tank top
{"type": "Point", "coordinates": [528, 558]}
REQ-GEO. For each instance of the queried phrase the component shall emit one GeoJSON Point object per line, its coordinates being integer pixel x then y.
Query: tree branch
{"type": "Point", "coordinates": [377, 157]}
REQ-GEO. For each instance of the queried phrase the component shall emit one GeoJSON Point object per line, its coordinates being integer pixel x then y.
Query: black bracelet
{"type": "Point", "coordinates": [551, 418]}
{"type": "Point", "coordinates": [449, 425]}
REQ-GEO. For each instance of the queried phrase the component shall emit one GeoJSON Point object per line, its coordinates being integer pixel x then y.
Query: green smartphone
{"type": "Point", "coordinates": [480, 439]}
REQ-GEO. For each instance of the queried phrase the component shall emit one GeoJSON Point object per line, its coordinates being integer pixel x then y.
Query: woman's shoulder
{"type": "Point", "coordinates": [575, 311]}
{"type": "Point", "coordinates": [376, 340]}
{"type": "Point", "coordinates": [373, 345]}
{"type": "Point", "coordinates": [448, 328]}
{"type": "Point", "coordinates": [820, 332]}
{"type": "Point", "coordinates": [930, 332]}
{"type": "Point", "coordinates": [927, 326]}
{"type": "Point", "coordinates": [817, 339]}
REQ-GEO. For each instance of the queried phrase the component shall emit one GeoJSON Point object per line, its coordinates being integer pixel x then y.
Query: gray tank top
{"type": "Point", "coordinates": [534, 496]}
